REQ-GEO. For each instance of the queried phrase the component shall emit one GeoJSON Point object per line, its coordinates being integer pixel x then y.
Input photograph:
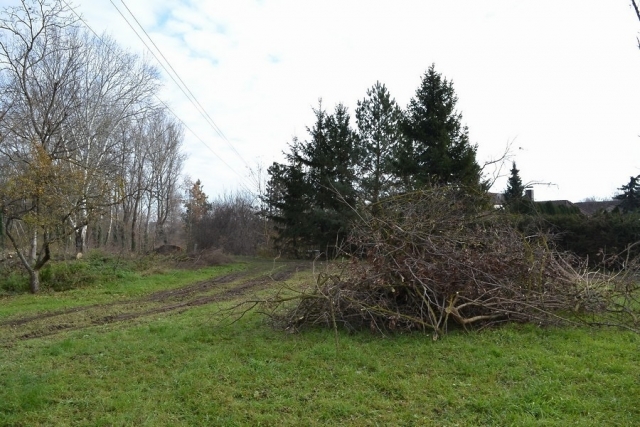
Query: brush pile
{"type": "Point", "coordinates": [429, 259]}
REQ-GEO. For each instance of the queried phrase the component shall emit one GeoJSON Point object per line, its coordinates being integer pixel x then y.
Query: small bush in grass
{"type": "Point", "coordinates": [67, 275]}
{"type": "Point", "coordinates": [59, 275]}
{"type": "Point", "coordinates": [98, 257]}
{"type": "Point", "coordinates": [14, 281]}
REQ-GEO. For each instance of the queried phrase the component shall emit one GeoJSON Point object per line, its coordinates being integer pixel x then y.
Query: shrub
{"type": "Point", "coordinates": [598, 239]}
{"type": "Point", "coordinates": [67, 275]}
{"type": "Point", "coordinates": [233, 225]}
{"type": "Point", "coordinates": [14, 282]}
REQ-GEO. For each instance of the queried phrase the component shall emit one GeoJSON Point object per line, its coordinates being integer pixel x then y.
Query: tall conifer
{"type": "Point", "coordinates": [436, 148]}
{"type": "Point", "coordinates": [378, 117]}
{"type": "Point", "coordinates": [630, 195]}
{"type": "Point", "coordinates": [514, 194]}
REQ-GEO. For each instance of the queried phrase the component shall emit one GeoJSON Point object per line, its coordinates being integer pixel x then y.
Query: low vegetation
{"type": "Point", "coordinates": [194, 367]}
{"type": "Point", "coordinates": [99, 268]}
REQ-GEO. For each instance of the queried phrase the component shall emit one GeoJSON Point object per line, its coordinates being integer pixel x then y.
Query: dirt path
{"type": "Point", "coordinates": [177, 300]}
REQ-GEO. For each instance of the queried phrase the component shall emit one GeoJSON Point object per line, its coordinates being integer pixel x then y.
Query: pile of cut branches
{"type": "Point", "coordinates": [425, 260]}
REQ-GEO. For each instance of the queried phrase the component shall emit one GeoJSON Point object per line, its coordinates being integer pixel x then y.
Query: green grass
{"type": "Point", "coordinates": [60, 275]}
{"type": "Point", "coordinates": [189, 369]}
{"type": "Point", "coordinates": [126, 282]}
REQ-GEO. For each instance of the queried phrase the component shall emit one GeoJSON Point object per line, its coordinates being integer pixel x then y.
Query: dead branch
{"type": "Point", "coordinates": [438, 257]}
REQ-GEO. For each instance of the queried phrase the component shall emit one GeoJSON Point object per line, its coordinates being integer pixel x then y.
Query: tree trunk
{"type": "Point", "coordinates": [1, 232]}
{"type": "Point", "coordinates": [34, 272]}
{"type": "Point", "coordinates": [160, 235]}
{"type": "Point", "coordinates": [108, 235]}
{"type": "Point", "coordinates": [134, 219]}
{"type": "Point", "coordinates": [98, 232]}
{"type": "Point", "coordinates": [34, 280]}
{"type": "Point", "coordinates": [146, 228]}
{"type": "Point", "coordinates": [122, 227]}
{"type": "Point", "coordinates": [81, 236]}
{"type": "Point", "coordinates": [33, 250]}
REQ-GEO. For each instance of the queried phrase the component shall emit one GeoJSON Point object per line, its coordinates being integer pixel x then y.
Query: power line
{"type": "Point", "coordinates": [186, 91]}
{"type": "Point", "coordinates": [194, 103]}
{"type": "Point", "coordinates": [157, 97]}
{"type": "Point", "coordinates": [214, 125]}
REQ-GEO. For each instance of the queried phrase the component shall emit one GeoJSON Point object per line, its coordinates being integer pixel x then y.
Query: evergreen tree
{"type": "Point", "coordinates": [331, 157]}
{"type": "Point", "coordinates": [287, 198]}
{"type": "Point", "coordinates": [378, 117]}
{"type": "Point", "coordinates": [630, 195]}
{"type": "Point", "coordinates": [313, 195]}
{"type": "Point", "coordinates": [436, 148]}
{"type": "Point", "coordinates": [514, 194]}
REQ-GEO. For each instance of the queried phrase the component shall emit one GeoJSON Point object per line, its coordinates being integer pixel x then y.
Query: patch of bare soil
{"type": "Point", "coordinates": [170, 301]}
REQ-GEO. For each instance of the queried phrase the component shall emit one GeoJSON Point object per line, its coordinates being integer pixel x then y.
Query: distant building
{"type": "Point", "coordinates": [561, 206]}
{"type": "Point", "coordinates": [594, 207]}
{"type": "Point", "coordinates": [497, 199]}
{"type": "Point", "coordinates": [528, 194]}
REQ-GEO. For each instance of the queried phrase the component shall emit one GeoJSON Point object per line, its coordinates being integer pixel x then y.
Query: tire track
{"type": "Point", "coordinates": [155, 296]}
{"type": "Point", "coordinates": [158, 303]}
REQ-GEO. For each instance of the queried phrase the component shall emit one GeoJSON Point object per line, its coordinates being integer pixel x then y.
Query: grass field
{"type": "Point", "coordinates": [177, 362]}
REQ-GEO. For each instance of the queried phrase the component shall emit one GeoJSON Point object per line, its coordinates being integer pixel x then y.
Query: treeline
{"type": "Point", "coordinates": [606, 237]}
{"type": "Point", "coordinates": [312, 198]}
{"type": "Point", "coordinates": [231, 222]}
{"type": "Point", "coordinates": [88, 153]}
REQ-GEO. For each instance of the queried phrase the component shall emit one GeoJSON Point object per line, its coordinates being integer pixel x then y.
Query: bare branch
{"type": "Point", "coordinates": [436, 257]}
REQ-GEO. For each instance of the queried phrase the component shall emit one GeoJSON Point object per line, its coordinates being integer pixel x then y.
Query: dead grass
{"type": "Point", "coordinates": [205, 258]}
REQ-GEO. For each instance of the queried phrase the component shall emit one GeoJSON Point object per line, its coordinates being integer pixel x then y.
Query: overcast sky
{"type": "Point", "coordinates": [560, 80]}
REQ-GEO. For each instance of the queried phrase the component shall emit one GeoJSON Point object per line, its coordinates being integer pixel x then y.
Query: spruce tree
{"type": "Point", "coordinates": [311, 198]}
{"type": "Point", "coordinates": [330, 157]}
{"type": "Point", "coordinates": [630, 196]}
{"type": "Point", "coordinates": [514, 194]}
{"type": "Point", "coordinates": [436, 148]}
{"type": "Point", "coordinates": [287, 198]}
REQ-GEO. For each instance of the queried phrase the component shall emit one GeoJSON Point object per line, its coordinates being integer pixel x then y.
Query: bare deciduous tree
{"type": "Point", "coordinates": [635, 7]}
{"type": "Point", "coordinates": [40, 60]}
{"type": "Point", "coordinates": [116, 86]}
{"type": "Point", "coordinates": [81, 136]}
{"type": "Point", "coordinates": [232, 224]}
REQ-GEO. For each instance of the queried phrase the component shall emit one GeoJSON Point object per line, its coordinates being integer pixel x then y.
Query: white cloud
{"type": "Point", "coordinates": [559, 77]}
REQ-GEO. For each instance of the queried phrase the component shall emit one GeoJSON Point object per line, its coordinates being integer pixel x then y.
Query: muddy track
{"type": "Point", "coordinates": [177, 300]}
